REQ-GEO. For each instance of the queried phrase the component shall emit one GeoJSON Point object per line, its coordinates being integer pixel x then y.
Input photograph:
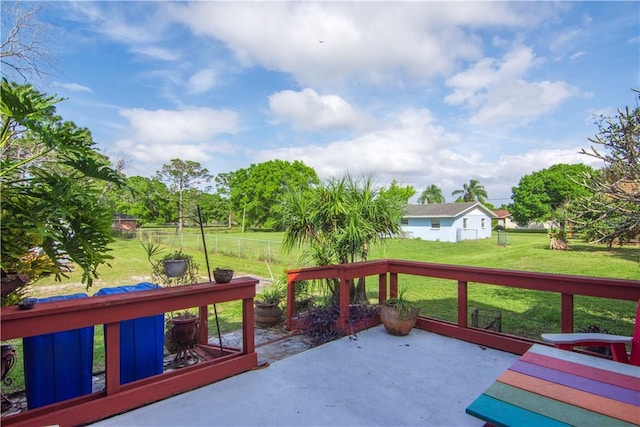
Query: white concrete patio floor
{"type": "Point", "coordinates": [374, 379]}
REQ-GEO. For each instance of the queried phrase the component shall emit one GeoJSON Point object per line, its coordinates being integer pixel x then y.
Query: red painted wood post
{"type": "Point", "coordinates": [566, 314]}
{"type": "Point", "coordinates": [344, 301]}
{"type": "Point", "coordinates": [463, 303]}
{"type": "Point", "coordinates": [393, 285]}
{"type": "Point", "coordinates": [248, 339]}
{"type": "Point", "coordinates": [112, 358]}
{"type": "Point", "coordinates": [382, 288]}
{"type": "Point", "coordinates": [203, 329]}
{"type": "Point", "coordinates": [291, 299]}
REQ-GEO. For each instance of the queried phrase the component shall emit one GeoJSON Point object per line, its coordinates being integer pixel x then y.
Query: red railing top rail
{"type": "Point", "coordinates": [62, 315]}
{"type": "Point", "coordinates": [623, 289]}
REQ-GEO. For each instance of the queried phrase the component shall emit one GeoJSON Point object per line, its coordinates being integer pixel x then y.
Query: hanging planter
{"type": "Point", "coordinates": [175, 267]}
{"type": "Point", "coordinates": [176, 264]}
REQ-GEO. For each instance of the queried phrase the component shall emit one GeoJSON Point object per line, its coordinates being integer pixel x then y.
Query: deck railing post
{"type": "Point", "coordinates": [462, 303]}
{"type": "Point", "coordinates": [393, 285]}
{"type": "Point", "coordinates": [382, 288]}
{"type": "Point", "coordinates": [203, 329]}
{"type": "Point", "coordinates": [112, 357]}
{"type": "Point", "coordinates": [566, 316]}
{"type": "Point", "coordinates": [344, 300]}
{"type": "Point", "coordinates": [291, 299]}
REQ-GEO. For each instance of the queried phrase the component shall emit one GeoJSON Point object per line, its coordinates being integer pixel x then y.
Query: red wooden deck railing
{"type": "Point", "coordinates": [388, 270]}
{"type": "Point", "coordinates": [109, 310]}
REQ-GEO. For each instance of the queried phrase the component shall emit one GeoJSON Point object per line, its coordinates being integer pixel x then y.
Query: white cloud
{"type": "Point", "coordinates": [190, 134]}
{"type": "Point", "coordinates": [180, 127]}
{"type": "Point", "coordinates": [202, 81]}
{"type": "Point", "coordinates": [411, 145]}
{"type": "Point", "coordinates": [156, 52]}
{"type": "Point", "coordinates": [499, 93]}
{"type": "Point", "coordinates": [310, 111]}
{"type": "Point", "coordinates": [140, 26]}
{"type": "Point", "coordinates": [74, 87]}
{"type": "Point", "coordinates": [325, 43]}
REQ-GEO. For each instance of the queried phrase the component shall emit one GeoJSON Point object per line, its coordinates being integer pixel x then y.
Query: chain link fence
{"type": "Point", "coordinates": [217, 244]}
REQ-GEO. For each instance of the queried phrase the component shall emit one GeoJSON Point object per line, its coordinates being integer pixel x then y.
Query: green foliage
{"type": "Point", "coordinates": [183, 176]}
{"type": "Point", "coordinates": [611, 211]}
{"type": "Point", "coordinates": [50, 180]}
{"type": "Point", "coordinates": [540, 194]}
{"type": "Point", "coordinates": [472, 192]}
{"type": "Point", "coordinates": [148, 200]}
{"type": "Point", "coordinates": [431, 194]}
{"type": "Point", "coordinates": [395, 191]}
{"type": "Point", "coordinates": [158, 273]}
{"type": "Point", "coordinates": [338, 221]}
{"type": "Point", "coordinates": [256, 191]}
{"type": "Point", "coordinates": [273, 294]}
{"type": "Point", "coordinates": [403, 305]}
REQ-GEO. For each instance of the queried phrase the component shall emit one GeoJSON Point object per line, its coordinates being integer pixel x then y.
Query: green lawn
{"type": "Point", "coordinates": [524, 313]}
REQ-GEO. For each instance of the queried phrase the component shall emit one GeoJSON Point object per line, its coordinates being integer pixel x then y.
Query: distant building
{"type": "Point", "coordinates": [122, 222]}
{"type": "Point", "coordinates": [503, 218]}
{"type": "Point", "coordinates": [447, 222]}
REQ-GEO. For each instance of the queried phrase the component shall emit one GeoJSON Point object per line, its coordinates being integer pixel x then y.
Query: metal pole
{"type": "Point", "coordinates": [206, 257]}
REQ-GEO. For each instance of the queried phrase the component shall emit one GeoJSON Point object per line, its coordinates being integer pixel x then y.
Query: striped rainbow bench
{"type": "Point", "coordinates": [552, 387]}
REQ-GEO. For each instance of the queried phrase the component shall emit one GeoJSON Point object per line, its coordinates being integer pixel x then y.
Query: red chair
{"type": "Point", "coordinates": [616, 343]}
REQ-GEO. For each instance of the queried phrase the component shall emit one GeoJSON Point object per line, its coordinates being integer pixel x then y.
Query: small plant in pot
{"type": "Point", "coordinates": [399, 314]}
{"type": "Point", "coordinates": [222, 275]}
{"type": "Point", "coordinates": [267, 305]}
{"type": "Point", "coordinates": [176, 263]}
{"type": "Point", "coordinates": [160, 265]}
{"type": "Point", "coordinates": [161, 277]}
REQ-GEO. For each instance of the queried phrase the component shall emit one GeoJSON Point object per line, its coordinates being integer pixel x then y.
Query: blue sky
{"type": "Point", "coordinates": [420, 92]}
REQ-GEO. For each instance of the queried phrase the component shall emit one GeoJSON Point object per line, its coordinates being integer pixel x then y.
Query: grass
{"type": "Point", "coordinates": [524, 313]}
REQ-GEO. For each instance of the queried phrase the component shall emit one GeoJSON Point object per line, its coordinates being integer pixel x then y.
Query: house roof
{"type": "Point", "coordinates": [444, 210]}
{"type": "Point", "coordinates": [123, 217]}
{"type": "Point", "coordinates": [502, 213]}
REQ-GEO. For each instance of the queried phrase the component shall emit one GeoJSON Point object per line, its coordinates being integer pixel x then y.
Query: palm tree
{"type": "Point", "coordinates": [471, 192]}
{"type": "Point", "coordinates": [340, 220]}
{"type": "Point", "coordinates": [431, 194]}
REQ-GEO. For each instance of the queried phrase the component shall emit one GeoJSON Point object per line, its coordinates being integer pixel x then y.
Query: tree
{"type": "Point", "coordinates": [223, 189]}
{"type": "Point", "coordinates": [256, 192]}
{"type": "Point", "coordinates": [431, 194]}
{"type": "Point", "coordinates": [395, 191]}
{"type": "Point", "coordinates": [540, 194]}
{"type": "Point", "coordinates": [471, 192]}
{"type": "Point", "coordinates": [147, 199]}
{"type": "Point", "coordinates": [52, 206]}
{"type": "Point", "coordinates": [214, 207]}
{"type": "Point", "coordinates": [610, 213]}
{"type": "Point", "coordinates": [26, 41]}
{"type": "Point", "coordinates": [181, 176]}
{"type": "Point", "coordinates": [339, 220]}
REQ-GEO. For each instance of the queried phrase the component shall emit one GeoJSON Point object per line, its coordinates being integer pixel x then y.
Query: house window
{"type": "Point", "coordinates": [435, 223]}
{"type": "Point", "coordinates": [404, 221]}
{"type": "Point", "coordinates": [482, 224]}
{"type": "Point", "coordinates": [464, 223]}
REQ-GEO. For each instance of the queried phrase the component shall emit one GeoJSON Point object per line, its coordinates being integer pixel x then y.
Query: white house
{"type": "Point", "coordinates": [447, 222]}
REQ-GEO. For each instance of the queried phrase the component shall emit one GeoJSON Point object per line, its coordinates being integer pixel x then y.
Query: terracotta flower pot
{"type": "Point", "coordinates": [396, 324]}
{"type": "Point", "coordinates": [267, 314]}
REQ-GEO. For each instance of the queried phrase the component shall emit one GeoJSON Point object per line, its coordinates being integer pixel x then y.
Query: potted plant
{"type": "Point", "coordinates": [161, 276]}
{"type": "Point", "coordinates": [176, 263]}
{"type": "Point", "coordinates": [223, 275]}
{"type": "Point", "coordinates": [161, 266]}
{"type": "Point", "coordinates": [267, 305]}
{"type": "Point", "coordinates": [399, 314]}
